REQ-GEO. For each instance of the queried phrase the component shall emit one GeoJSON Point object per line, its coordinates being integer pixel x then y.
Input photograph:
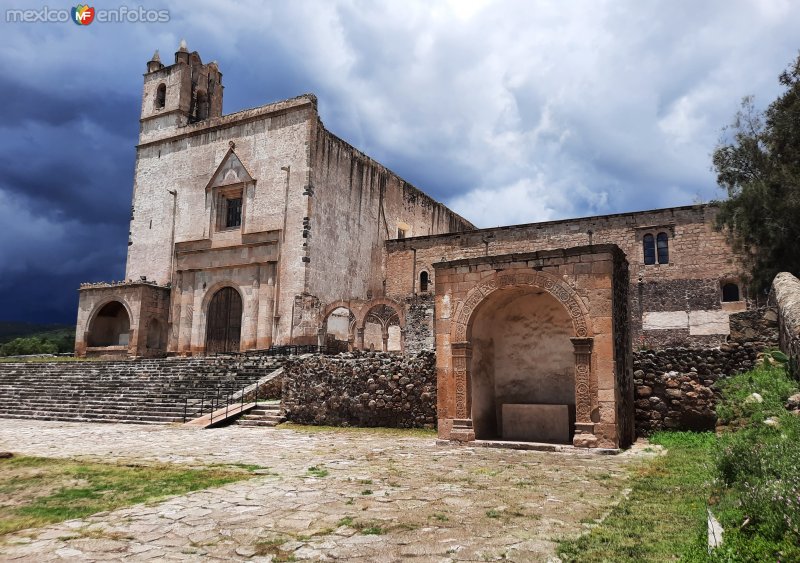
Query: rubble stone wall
{"type": "Point", "coordinates": [676, 387]}
{"type": "Point", "coordinates": [362, 389]}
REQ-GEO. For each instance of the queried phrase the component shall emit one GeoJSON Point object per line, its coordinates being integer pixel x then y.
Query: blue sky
{"type": "Point", "coordinates": [509, 112]}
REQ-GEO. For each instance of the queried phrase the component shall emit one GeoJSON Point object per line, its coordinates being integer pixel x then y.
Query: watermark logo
{"type": "Point", "coordinates": [83, 14]}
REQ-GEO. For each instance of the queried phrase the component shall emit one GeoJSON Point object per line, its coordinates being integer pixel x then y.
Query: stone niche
{"type": "Point", "coordinates": [535, 348]}
{"type": "Point", "coordinates": [126, 319]}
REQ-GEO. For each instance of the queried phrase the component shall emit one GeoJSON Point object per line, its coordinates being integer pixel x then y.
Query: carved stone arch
{"type": "Point", "coordinates": [461, 347]}
{"type": "Point", "coordinates": [341, 304]}
{"type": "Point", "coordinates": [562, 291]}
{"type": "Point", "coordinates": [364, 311]}
{"type": "Point", "coordinates": [386, 313]}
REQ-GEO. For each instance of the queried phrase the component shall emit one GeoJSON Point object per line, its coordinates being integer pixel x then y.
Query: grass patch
{"type": "Point", "coordinates": [665, 511]}
{"type": "Point", "coordinates": [39, 491]}
{"type": "Point", "coordinates": [319, 472]}
{"type": "Point", "coordinates": [397, 432]}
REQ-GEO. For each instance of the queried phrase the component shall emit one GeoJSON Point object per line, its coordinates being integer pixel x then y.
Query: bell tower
{"type": "Point", "coordinates": [180, 94]}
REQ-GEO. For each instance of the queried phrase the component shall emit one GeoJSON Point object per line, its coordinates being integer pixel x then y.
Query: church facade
{"type": "Point", "coordinates": [261, 228]}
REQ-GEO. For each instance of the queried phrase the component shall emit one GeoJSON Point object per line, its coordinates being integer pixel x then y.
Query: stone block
{"type": "Point", "coordinates": [536, 423]}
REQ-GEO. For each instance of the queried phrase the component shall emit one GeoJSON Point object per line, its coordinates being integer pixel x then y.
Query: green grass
{"type": "Point", "coordinates": [318, 472]}
{"type": "Point", "coordinates": [665, 512]}
{"type": "Point", "coordinates": [397, 432]}
{"type": "Point", "coordinates": [40, 491]}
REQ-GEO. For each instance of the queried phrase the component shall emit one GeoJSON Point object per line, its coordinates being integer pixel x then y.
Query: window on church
{"type": "Point", "coordinates": [662, 244]}
{"type": "Point", "coordinates": [161, 96]}
{"type": "Point", "coordinates": [233, 212]}
{"type": "Point", "coordinates": [730, 292]}
{"type": "Point", "coordinates": [423, 281]}
{"type": "Point", "coordinates": [649, 249]}
{"type": "Point", "coordinates": [401, 233]}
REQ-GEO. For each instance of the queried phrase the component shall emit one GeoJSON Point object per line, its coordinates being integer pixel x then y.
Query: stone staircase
{"type": "Point", "coordinates": [147, 391]}
{"type": "Point", "coordinates": [264, 414]}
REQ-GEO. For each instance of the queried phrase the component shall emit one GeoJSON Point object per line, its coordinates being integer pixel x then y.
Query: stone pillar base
{"type": "Point", "coordinates": [584, 435]}
{"type": "Point", "coordinates": [462, 430]}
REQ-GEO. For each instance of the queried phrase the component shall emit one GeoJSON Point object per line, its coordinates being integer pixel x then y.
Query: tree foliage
{"type": "Point", "coordinates": [26, 346]}
{"type": "Point", "coordinates": [758, 164]}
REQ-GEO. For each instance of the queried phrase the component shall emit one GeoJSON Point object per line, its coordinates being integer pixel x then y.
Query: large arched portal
{"type": "Point", "coordinates": [523, 367]}
{"type": "Point", "coordinates": [111, 326]}
{"type": "Point", "coordinates": [224, 322]}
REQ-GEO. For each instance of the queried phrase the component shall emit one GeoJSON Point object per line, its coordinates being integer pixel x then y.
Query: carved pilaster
{"type": "Point", "coordinates": [462, 354]}
{"type": "Point", "coordinates": [583, 370]}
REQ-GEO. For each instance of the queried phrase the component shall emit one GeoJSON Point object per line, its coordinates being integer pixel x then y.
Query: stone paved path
{"type": "Point", "coordinates": [385, 498]}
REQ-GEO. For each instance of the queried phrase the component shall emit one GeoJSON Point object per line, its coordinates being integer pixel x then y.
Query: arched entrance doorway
{"type": "Point", "coordinates": [523, 367]}
{"type": "Point", "coordinates": [224, 326]}
{"type": "Point", "coordinates": [339, 330]}
{"type": "Point", "coordinates": [111, 326]}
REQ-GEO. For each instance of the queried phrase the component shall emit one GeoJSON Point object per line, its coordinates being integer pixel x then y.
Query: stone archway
{"type": "Point", "coordinates": [338, 328]}
{"type": "Point", "coordinates": [573, 312]}
{"type": "Point", "coordinates": [381, 326]}
{"type": "Point", "coordinates": [110, 325]}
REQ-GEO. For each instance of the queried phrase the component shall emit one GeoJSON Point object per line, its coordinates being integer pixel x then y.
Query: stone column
{"type": "Point", "coordinates": [385, 339]}
{"type": "Point", "coordinates": [266, 302]}
{"type": "Point", "coordinates": [584, 427]}
{"type": "Point", "coordinates": [359, 339]}
{"type": "Point", "coordinates": [321, 337]}
{"type": "Point", "coordinates": [462, 422]}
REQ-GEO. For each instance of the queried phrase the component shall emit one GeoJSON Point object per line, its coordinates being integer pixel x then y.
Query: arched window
{"type": "Point", "coordinates": [423, 281]}
{"type": "Point", "coordinates": [662, 243]}
{"type": "Point", "coordinates": [730, 292]}
{"type": "Point", "coordinates": [649, 249]}
{"type": "Point", "coordinates": [161, 96]}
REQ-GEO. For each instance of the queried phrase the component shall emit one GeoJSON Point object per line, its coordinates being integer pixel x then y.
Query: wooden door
{"type": "Point", "coordinates": [224, 322]}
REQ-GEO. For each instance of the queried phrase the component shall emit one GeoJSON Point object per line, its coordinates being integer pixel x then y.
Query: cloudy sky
{"type": "Point", "coordinates": [509, 112]}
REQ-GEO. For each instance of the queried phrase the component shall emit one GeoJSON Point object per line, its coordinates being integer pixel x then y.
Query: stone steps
{"type": "Point", "coordinates": [268, 414]}
{"type": "Point", "coordinates": [135, 391]}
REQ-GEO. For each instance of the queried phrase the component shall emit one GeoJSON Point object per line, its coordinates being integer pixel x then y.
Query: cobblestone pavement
{"type": "Point", "coordinates": [384, 498]}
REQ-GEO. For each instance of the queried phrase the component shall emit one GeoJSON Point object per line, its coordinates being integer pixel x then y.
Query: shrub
{"type": "Point", "coordinates": [758, 467]}
{"type": "Point", "coordinates": [30, 345]}
{"type": "Point", "coordinates": [740, 407]}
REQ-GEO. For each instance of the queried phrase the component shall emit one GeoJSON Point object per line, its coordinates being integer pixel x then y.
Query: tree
{"type": "Point", "coordinates": [26, 346]}
{"type": "Point", "coordinates": [758, 164]}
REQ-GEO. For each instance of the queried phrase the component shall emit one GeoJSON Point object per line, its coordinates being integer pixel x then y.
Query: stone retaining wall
{"type": "Point", "coordinates": [676, 387]}
{"type": "Point", "coordinates": [786, 292]}
{"type": "Point", "coordinates": [361, 389]}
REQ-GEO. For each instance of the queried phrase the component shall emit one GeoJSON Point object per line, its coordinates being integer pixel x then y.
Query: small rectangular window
{"type": "Point", "coordinates": [401, 233]}
{"type": "Point", "coordinates": [662, 243]}
{"type": "Point", "coordinates": [233, 213]}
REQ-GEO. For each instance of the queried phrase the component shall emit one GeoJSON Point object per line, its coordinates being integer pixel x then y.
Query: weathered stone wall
{"type": "Point", "coordinates": [677, 303]}
{"type": "Point", "coordinates": [786, 291]}
{"type": "Point", "coordinates": [357, 205]}
{"type": "Point", "coordinates": [419, 323]}
{"type": "Point", "coordinates": [361, 389]}
{"type": "Point", "coordinates": [676, 387]}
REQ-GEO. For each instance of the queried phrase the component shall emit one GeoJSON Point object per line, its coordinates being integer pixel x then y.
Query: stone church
{"type": "Point", "coordinates": [261, 229]}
